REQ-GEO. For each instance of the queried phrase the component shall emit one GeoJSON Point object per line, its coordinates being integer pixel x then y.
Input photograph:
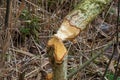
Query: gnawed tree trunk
{"type": "Point", "coordinates": [59, 70]}
{"type": "Point", "coordinates": [1, 2]}
{"type": "Point", "coordinates": [72, 25]}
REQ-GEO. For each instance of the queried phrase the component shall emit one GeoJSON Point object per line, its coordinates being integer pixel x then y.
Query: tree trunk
{"type": "Point", "coordinates": [85, 12]}
{"type": "Point", "coordinates": [1, 2]}
{"type": "Point", "coordinates": [59, 70]}
{"type": "Point", "coordinates": [75, 22]}
{"type": "Point", "coordinates": [6, 40]}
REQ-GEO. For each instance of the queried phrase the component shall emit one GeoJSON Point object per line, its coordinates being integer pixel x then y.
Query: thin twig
{"type": "Point", "coordinates": [23, 52]}
{"type": "Point", "coordinates": [88, 62]}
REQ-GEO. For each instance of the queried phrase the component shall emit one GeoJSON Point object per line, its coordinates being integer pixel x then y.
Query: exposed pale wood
{"type": "Point", "coordinates": [59, 49]}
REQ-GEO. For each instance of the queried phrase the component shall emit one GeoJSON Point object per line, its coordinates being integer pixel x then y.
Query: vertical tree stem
{"type": "Point", "coordinates": [6, 33]}
{"type": "Point", "coordinates": [59, 70]}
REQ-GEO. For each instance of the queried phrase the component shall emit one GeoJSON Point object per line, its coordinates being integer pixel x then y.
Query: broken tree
{"type": "Point", "coordinates": [75, 22]}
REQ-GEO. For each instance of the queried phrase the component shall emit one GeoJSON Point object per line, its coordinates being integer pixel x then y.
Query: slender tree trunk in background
{"type": "Point", "coordinates": [6, 33]}
{"type": "Point", "coordinates": [8, 14]}
{"type": "Point", "coordinates": [1, 2]}
{"type": "Point", "coordinates": [75, 22]}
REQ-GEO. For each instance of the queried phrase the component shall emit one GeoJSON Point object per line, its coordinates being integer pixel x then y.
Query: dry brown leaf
{"type": "Point", "coordinates": [22, 6]}
{"type": "Point", "coordinates": [111, 67]}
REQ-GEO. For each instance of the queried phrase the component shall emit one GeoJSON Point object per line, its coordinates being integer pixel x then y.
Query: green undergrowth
{"type": "Point", "coordinates": [110, 76]}
{"type": "Point", "coordinates": [30, 25]}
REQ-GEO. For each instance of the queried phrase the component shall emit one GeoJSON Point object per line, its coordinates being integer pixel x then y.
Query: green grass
{"type": "Point", "coordinates": [110, 76]}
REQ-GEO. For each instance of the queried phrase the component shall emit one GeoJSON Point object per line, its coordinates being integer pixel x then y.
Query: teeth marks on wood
{"type": "Point", "coordinates": [76, 19]}
{"type": "Point", "coordinates": [67, 31]}
{"type": "Point", "coordinates": [59, 49]}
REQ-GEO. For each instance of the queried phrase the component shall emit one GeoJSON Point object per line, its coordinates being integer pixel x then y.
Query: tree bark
{"type": "Point", "coordinates": [85, 12]}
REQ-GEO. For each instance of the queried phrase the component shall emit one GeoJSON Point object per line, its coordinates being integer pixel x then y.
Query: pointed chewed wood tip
{"type": "Point", "coordinates": [49, 76]}
{"type": "Point", "coordinates": [59, 49]}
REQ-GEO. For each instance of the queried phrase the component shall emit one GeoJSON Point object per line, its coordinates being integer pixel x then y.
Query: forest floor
{"type": "Point", "coordinates": [33, 23]}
